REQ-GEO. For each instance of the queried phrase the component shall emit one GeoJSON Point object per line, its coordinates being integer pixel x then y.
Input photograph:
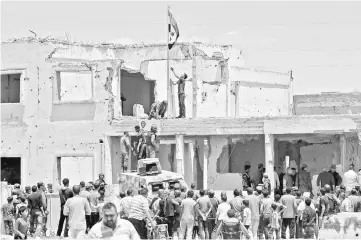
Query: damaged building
{"type": "Point", "coordinates": [62, 114]}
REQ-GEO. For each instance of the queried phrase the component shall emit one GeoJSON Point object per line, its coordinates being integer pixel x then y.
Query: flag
{"type": "Point", "coordinates": [173, 31]}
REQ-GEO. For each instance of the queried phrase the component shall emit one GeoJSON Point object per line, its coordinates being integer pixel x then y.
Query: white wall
{"type": "Point", "coordinates": [258, 101]}
{"type": "Point", "coordinates": [75, 86]}
{"type": "Point", "coordinates": [77, 169]}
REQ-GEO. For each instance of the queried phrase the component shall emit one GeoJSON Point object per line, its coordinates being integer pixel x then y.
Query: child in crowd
{"type": "Point", "coordinates": [266, 182]}
{"type": "Point", "coordinates": [8, 215]}
{"type": "Point", "coordinates": [247, 214]}
{"type": "Point", "coordinates": [275, 223]}
{"type": "Point", "coordinates": [21, 224]}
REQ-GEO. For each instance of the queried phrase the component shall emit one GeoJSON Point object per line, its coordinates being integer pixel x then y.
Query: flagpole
{"type": "Point", "coordinates": [169, 96]}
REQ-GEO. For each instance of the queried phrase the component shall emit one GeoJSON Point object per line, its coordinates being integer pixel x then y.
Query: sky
{"type": "Point", "coordinates": [319, 41]}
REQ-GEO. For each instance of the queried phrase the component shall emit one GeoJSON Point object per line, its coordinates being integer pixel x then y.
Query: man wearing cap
{"type": "Point", "coordinates": [350, 179]}
{"type": "Point", "coordinates": [257, 179]}
{"type": "Point", "coordinates": [336, 176]}
{"type": "Point", "coordinates": [304, 180]}
{"type": "Point", "coordinates": [246, 179]}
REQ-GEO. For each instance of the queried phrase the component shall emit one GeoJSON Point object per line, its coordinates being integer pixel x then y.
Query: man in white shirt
{"type": "Point", "coordinates": [350, 179]}
{"type": "Point", "coordinates": [346, 204]}
{"type": "Point", "coordinates": [222, 209]}
{"type": "Point", "coordinates": [125, 147]}
{"type": "Point", "coordinates": [78, 210]}
{"type": "Point", "coordinates": [125, 204]}
{"type": "Point", "coordinates": [139, 211]}
{"type": "Point", "coordinates": [112, 227]}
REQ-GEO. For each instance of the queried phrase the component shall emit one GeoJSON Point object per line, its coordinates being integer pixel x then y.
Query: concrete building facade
{"type": "Point", "coordinates": [62, 114]}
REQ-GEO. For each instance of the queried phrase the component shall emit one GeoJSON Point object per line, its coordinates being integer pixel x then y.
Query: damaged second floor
{"type": "Point", "coordinates": [54, 81]}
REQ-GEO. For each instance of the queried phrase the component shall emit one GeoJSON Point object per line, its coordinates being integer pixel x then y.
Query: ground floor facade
{"type": "Point", "coordinates": [209, 152]}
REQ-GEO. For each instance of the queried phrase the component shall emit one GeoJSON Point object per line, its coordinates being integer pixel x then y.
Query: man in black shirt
{"type": "Point", "coordinates": [336, 176]}
{"type": "Point", "coordinates": [36, 207]}
{"type": "Point", "coordinates": [246, 178]}
{"type": "Point", "coordinates": [181, 93]}
{"type": "Point", "coordinates": [64, 193]}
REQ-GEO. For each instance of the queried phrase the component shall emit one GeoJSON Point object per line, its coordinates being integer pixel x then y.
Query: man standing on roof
{"type": "Point", "coordinates": [140, 147]}
{"type": "Point", "coordinates": [181, 93]}
{"type": "Point", "coordinates": [125, 147]}
{"type": "Point", "coordinates": [152, 145]}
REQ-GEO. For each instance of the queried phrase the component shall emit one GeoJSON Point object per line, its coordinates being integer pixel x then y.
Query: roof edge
{"type": "Point", "coordinates": [103, 44]}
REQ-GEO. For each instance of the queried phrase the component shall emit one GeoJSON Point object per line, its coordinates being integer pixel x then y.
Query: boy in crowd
{"type": "Point", "coordinates": [8, 216]}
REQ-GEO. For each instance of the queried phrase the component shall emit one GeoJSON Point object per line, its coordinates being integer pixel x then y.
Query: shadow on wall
{"type": "Point", "coordinates": [136, 90]}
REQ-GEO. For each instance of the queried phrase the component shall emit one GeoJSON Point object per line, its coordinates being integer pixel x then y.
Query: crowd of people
{"type": "Point", "coordinates": [187, 213]}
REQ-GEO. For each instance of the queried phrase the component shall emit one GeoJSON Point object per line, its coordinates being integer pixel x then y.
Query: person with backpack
{"type": "Point", "coordinates": [323, 207]}
{"type": "Point", "coordinates": [65, 193]}
{"type": "Point", "coordinates": [334, 203]}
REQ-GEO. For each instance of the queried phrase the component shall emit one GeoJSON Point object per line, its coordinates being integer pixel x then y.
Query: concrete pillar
{"type": "Point", "coordinates": [237, 101]}
{"type": "Point", "coordinates": [205, 163]}
{"type": "Point", "coordinates": [290, 96]}
{"type": "Point", "coordinates": [269, 158]}
{"type": "Point", "coordinates": [105, 158]}
{"type": "Point", "coordinates": [117, 89]}
{"type": "Point", "coordinates": [196, 59]}
{"type": "Point", "coordinates": [343, 152]}
{"type": "Point", "coordinates": [179, 154]}
{"type": "Point", "coordinates": [228, 98]}
{"type": "Point", "coordinates": [188, 163]}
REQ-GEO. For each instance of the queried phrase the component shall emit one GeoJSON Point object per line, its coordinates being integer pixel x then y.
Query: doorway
{"type": "Point", "coordinates": [11, 170]}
